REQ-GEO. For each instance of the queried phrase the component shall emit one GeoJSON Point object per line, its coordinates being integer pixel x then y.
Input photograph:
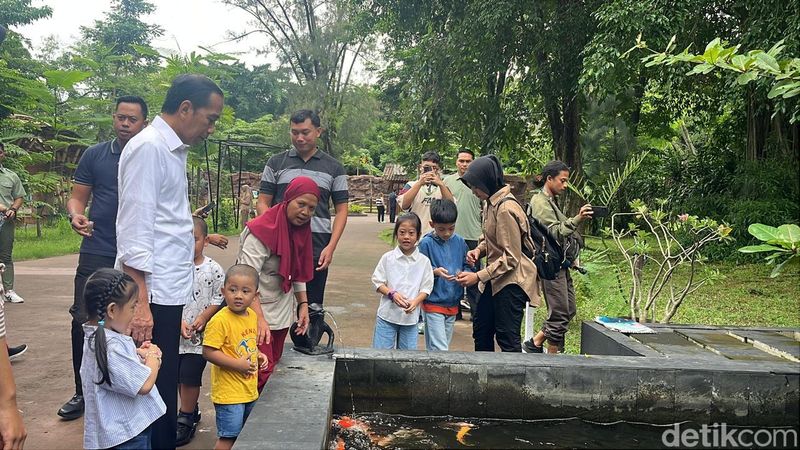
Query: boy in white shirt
{"type": "Point", "coordinates": [206, 296]}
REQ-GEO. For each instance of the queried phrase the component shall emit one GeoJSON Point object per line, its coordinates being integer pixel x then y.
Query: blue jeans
{"type": "Point", "coordinates": [231, 418]}
{"type": "Point", "coordinates": [140, 441]}
{"type": "Point", "coordinates": [438, 331]}
{"type": "Point", "coordinates": [389, 336]}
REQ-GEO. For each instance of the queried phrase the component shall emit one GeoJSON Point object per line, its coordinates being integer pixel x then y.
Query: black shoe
{"type": "Point", "coordinates": [186, 429]}
{"type": "Point", "coordinates": [73, 409]}
{"type": "Point", "coordinates": [16, 352]}
{"type": "Point", "coordinates": [529, 347]}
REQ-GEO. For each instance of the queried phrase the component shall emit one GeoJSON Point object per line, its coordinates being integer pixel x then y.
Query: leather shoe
{"type": "Point", "coordinates": [73, 409]}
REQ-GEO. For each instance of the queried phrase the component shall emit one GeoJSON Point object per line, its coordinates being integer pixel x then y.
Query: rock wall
{"type": "Point", "coordinates": [364, 187]}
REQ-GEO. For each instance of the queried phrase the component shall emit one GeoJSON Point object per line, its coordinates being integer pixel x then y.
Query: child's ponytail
{"type": "Point", "coordinates": [104, 287]}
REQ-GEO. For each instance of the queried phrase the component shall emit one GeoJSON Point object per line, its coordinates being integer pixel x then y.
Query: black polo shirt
{"type": "Point", "coordinates": [330, 177]}
{"type": "Point", "coordinates": [98, 170]}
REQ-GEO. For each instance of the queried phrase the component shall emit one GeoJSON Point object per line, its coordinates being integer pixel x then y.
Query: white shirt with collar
{"type": "Point", "coordinates": [154, 223]}
{"type": "Point", "coordinates": [407, 274]}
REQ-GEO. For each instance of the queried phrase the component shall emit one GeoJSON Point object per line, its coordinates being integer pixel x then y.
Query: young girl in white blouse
{"type": "Point", "coordinates": [118, 379]}
{"type": "Point", "coordinates": [404, 278]}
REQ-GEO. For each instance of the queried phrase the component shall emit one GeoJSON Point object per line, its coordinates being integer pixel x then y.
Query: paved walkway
{"type": "Point", "coordinates": [44, 373]}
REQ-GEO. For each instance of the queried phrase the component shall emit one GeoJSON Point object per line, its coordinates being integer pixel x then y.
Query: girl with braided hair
{"type": "Point", "coordinates": [118, 379]}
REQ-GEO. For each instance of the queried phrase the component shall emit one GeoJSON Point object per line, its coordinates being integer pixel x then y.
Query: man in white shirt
{"type": "Point", "coordinates": [155, 244]}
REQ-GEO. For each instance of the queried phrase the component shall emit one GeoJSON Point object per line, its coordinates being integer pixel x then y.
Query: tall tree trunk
{"type": "Point", "coordinates": [638, 95]}
{"type": "Point", "coordinates": [757, 126]}
{"type": "Point", "coordinates": [572, 131]}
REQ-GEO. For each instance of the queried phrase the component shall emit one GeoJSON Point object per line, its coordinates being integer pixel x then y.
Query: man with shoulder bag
{"type": "Point", "coordinates": [558, 291]}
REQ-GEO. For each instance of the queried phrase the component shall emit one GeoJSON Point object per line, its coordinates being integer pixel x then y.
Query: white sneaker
{"type": "Point", "coordinates": [13, 297]}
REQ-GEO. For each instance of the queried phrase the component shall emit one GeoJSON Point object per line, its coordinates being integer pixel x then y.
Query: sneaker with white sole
{"type": "Point", "coordinates": [13, 297]}
{"type": "Point", "coordinates": [16, 352]}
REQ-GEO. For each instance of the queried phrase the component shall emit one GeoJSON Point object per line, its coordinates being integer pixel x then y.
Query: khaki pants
{"type": "Point", "coordinates": [560, 297]}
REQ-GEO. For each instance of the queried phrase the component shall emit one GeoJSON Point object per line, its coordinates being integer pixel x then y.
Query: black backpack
{"type": "Point", "coordinates": [547, 254]}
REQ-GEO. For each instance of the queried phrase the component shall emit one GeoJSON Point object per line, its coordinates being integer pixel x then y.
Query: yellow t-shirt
{"type": "Point", "coordinates": [235, 335]}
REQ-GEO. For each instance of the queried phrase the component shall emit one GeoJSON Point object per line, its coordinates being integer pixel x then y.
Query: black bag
{"type": "Point", "coordinates": [547, 253]}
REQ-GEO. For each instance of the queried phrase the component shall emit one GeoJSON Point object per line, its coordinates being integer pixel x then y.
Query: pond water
{"type": "Point", "coordinates": [384, 431]}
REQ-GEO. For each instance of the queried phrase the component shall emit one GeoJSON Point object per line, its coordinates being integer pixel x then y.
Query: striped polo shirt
{"type": "Point", "coordinates": [329, 175]}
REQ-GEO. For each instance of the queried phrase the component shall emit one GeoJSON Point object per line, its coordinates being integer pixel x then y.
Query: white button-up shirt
{"type": "Point", "coordinates": [154, 224]}
{"type": "Point", "coordinates": [409, 275]}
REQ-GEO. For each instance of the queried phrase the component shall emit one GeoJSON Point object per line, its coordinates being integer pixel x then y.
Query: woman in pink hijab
{"type": "Point", "coordinates": [278, 245]}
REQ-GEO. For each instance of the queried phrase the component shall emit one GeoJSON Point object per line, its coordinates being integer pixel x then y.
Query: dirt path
{"type": "Point", "coordinates": [44, 373]}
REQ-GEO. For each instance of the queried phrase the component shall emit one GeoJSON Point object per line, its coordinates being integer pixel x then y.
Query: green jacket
{"type": "Point", "coordinates": [544, 209]}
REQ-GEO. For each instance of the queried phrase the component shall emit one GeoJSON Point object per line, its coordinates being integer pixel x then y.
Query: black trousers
{"type": "Point", "coordinates": [392, 212]}
{"type": "Point", "coordinates": [87, 265]}
{"type": "Point", "coordinates": [499, 317]}
{"type": "Point", "coordinates": [315, 289]}
{"type": "Point", "coordinates": [381, 213]}
{"type": "Point", "coordinates": [166, 335]}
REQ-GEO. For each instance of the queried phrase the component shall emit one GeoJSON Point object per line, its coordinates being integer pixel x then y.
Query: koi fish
{"type": "Point", "coordinates": [463, 431]}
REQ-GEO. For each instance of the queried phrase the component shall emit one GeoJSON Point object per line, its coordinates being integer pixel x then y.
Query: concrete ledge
{"type": "Point", "coordinates": [599, 340]}
{"type": "Point", "coordinates": [533, 386]}
{"type": "Point", "coordinates": [294, 409]}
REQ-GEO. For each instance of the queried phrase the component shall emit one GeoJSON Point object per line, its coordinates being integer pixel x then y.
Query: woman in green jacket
{"type": "Point", "coordinates": [559, 293]}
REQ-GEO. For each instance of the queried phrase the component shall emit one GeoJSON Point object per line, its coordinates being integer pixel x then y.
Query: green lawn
{"type": "Point", "coordinates": [745, 295]}
{"type": "Point", "coordinates": [55, 241]}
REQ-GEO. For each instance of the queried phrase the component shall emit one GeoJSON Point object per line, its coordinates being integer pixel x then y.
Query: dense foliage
{"type": "Point", "coordinates": [712, 129]}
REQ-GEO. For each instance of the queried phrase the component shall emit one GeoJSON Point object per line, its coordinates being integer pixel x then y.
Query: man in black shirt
{"type": "Point", "coordinates": [96, 178]}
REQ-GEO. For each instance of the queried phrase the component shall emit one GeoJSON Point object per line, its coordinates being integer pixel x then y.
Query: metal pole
{"type": "Point", "coordinates": [233, 194]}
{"type": "Point", "coordinates": [220, 153]}
{"type": "Point", "coordinates": [208, 175]}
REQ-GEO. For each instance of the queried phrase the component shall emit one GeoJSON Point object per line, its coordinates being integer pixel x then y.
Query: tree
{"type": "Point", "coordinates": [256, 92]}
{"type": "Point", "coordinates": [318, 42]}
{"type": "Point", "coordinates": [117, 48]}
{"type": "Point", "coordinates": [20, 12]}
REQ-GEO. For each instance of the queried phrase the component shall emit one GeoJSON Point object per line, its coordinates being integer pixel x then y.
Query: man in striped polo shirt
{"type": "Point", "coordinates": [304, 158]}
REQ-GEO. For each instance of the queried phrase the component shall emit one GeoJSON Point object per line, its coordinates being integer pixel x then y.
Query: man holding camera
{"type": "Point", "coordinates": [417, 196]}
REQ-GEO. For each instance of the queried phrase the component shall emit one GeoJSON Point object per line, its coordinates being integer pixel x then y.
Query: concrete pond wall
{"type": "Point", "coordinates": [644, 385]}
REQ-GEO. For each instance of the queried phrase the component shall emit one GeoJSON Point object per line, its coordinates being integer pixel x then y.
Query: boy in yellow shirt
{"type": "Point", "coordinates": [230, 345]}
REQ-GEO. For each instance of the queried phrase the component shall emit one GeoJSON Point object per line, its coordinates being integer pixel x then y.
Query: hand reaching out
{"type": "Point", "coordinates": [443, 273]}
{"type": "Point", "coordinates": [473, 256]}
